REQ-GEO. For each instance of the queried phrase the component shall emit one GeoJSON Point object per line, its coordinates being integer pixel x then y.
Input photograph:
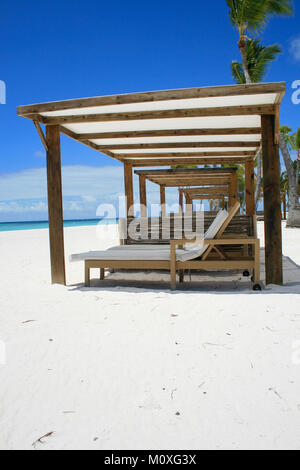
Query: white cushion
{"type": "Point", "coordinates": [141, 247]}
{"type": "Point", "coordinates": [125, 255]}
{"type": "Point", "coordinates": [216, 225]}
{"type": "Point", "coordinates": [197, 249]}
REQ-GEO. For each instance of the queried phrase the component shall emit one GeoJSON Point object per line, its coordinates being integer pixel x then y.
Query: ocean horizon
{"type": "Point", "coordinates": [38, 225]}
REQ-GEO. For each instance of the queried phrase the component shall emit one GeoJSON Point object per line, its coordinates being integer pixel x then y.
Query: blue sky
{"type": "Point", "coordinates": [63, 50]}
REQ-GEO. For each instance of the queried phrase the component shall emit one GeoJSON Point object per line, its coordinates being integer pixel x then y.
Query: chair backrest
{"type": "Point", "coordinates": [237, 224]}
{"type": "Point", "coordinates": [197, 248]}
{"type": "Point", "coordinates": [231, 213]}
{"type": "Point", "coordinates": [216, 225]}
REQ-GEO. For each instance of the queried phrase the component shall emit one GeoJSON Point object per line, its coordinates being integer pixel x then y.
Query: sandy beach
{"type": "Point", "coordinates": [128, 364]}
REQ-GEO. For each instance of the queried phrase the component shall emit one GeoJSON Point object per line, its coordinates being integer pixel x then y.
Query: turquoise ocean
{"type": "Point", "coordinates": [15, 226]}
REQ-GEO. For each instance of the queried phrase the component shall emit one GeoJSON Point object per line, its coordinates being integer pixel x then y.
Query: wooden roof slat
{"type": "Point", "coordinates": [247, 153]}
{"type": "Point", "coordinates": [177, 183]}
{"type": "Point", "coordinates": [167, 145]}
{"type": "Point", "coordinates": [186, 171]}
{"type": "Point", "coordinates": [165, 95]}
{"type": "Point", "coordinates": [189, 177]}
{"type": "Point", "coordinates": [88, 143]}
{"type": "Point", "coordinates": [248, 110]}
{"type": "Point", "coordinates": [170, 133]}
{"type": "Point", "coordinates": [189, 161]}
{"type": "Point", "coordinates": [206, 191]}
{"type": "Point", "coordinates": [205, 197]}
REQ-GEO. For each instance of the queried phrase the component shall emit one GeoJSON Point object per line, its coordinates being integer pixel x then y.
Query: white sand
{"type": "Point", "coordinates": [118, 363]}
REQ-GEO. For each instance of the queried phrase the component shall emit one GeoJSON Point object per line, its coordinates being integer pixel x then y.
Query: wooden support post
{"type": "Point", "coordinates": [189, 204]}
{"type": "Point", "coordinates": [272, 202]}
{"type": "Point", "coordinates": [250, 190]}
{"type": "Point", "coordinates": [163, 200]}
{"type": "Point", "coordinates": [55, 206]}
{"type": "Point", "coordinates": [284, 206]}
{"type": "Point", "coordinates": [223, 202]}
{"type": "Point", "coordinates": [180, 202]}
{"type": "Point", "coordinates": [233, 189]}
{"type": "Point", "coordinates": [143, 196]}
{"type": "Point", "coordinates": [128, 184]}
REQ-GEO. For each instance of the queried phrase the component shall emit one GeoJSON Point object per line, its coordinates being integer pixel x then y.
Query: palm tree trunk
{"type": "Point", "coordinates": [294, 206]}
{"type": "Point", "coordinates": [258, 178]}
{"type": "Point", "coordinates": [242, 47]}
{"type": "Point", "coordinates": [298, 170]}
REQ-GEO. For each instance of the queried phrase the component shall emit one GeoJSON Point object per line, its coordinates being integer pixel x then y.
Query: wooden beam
{"type": "Point", "coordinates": [240, 153]}
{"type": "Point", "coordinates": [180, 194]}
{"type": "Point", "coordinates": [233, 190]}
{"type": "Point", "coordinates": [277, 125]}
{"type": "Point", "coordinates": [144, 97]}
{"type": "Point", "coordinates": [73, 136]}
{"type": "Point", "coordinates": [187, 171]}
{"type": "Point", "coordinates": [188, 204]}
{"type": "Point", "coordinates": [216, 197]}
{"type": "Point", "coordinates": [168, 145]}
{"type": "Point", "coordinates": [189, 161]}
{"type": "Point", "coordinates": [195, 182]}
{"type": "Point", "coordinates": [189, 177]}
{"type": "Point", "coordinates": [169, 133]}
{"type": "Point", "coordinates": [128, 184]}
{"type": "Point", "coordinates": [143, 196]}
{"type": "Point", "coordinates": [251, 110]}
{"type": "Point", "coordinates": [55, 206]}
{"type": "Point", "coordinates": [250, 188]}
{"type": "Point", "coordinates": [284, 206]}
{"type": "Point", "coordinates": [163, 200]}
{"type": "Point", "coordinates": [272, 202]}
{"type": "Point", "coordinates": [191, 181]}
{"type": "Point", "coordinates": [206, 191]}
{"type": "Point", "coordinates": [41, 134]}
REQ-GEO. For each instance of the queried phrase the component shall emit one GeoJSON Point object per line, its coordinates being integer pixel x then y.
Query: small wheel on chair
{"type": "Point", "coordinates": [257, 287]}
{"type": "Point", "coordinates": [246, 274]}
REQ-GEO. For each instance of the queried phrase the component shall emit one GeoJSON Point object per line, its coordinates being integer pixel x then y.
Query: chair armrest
{"type": "Point", "coordinates": [232, 241]}
{"type": "Point", "coordinates": [217, 241]}
{"type": "Point", "coordinates": [184, 241]}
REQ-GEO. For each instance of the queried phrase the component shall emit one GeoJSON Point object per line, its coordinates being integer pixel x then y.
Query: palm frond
{"type": "Point", "coordinates": [286, 132]}
{"type": "Point", "coordinates": [258, 58]}
{"type": "Point", "coordinates": [253, 15]}
{"type": "Point", "coordinates": [238, 72]}
{"type": "Point", "coordinates": [297, 139]}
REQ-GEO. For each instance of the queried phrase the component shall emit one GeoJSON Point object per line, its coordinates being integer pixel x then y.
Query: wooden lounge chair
{"type": "Point", "coordinates": [207, 254]}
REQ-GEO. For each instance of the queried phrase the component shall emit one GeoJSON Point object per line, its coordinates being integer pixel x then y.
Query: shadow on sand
{"type": "Point", "coordinates": [199, 282]}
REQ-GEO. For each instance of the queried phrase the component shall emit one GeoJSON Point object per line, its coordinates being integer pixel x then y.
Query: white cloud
{"type": "Point", "coordinates": [84, 188]}
{"type": "Point", "coordinates": [78, 181]}
{"type": "Point", "coordinates": [295, 48]}
{"type": "Point", "coordinates": [19, 206]}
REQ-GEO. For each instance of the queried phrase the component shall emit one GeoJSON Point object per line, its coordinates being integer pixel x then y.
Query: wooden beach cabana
{"type": "Point", "coordinates": [186, 178]}
{"type": "Point", "coordinates": [198, 126]}
{"type": "Point", "coordinates": [215, 193]}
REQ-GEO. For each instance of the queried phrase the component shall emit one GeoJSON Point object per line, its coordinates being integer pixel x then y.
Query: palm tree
{"type": "Point", "coordinates": [289, 142]}
{"type": "Point", "coordinates": [258, 59]}
{"type": "Point", "coordinates": [250, 16]}
{"type": "Point", "coordinates": [297, 148]}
